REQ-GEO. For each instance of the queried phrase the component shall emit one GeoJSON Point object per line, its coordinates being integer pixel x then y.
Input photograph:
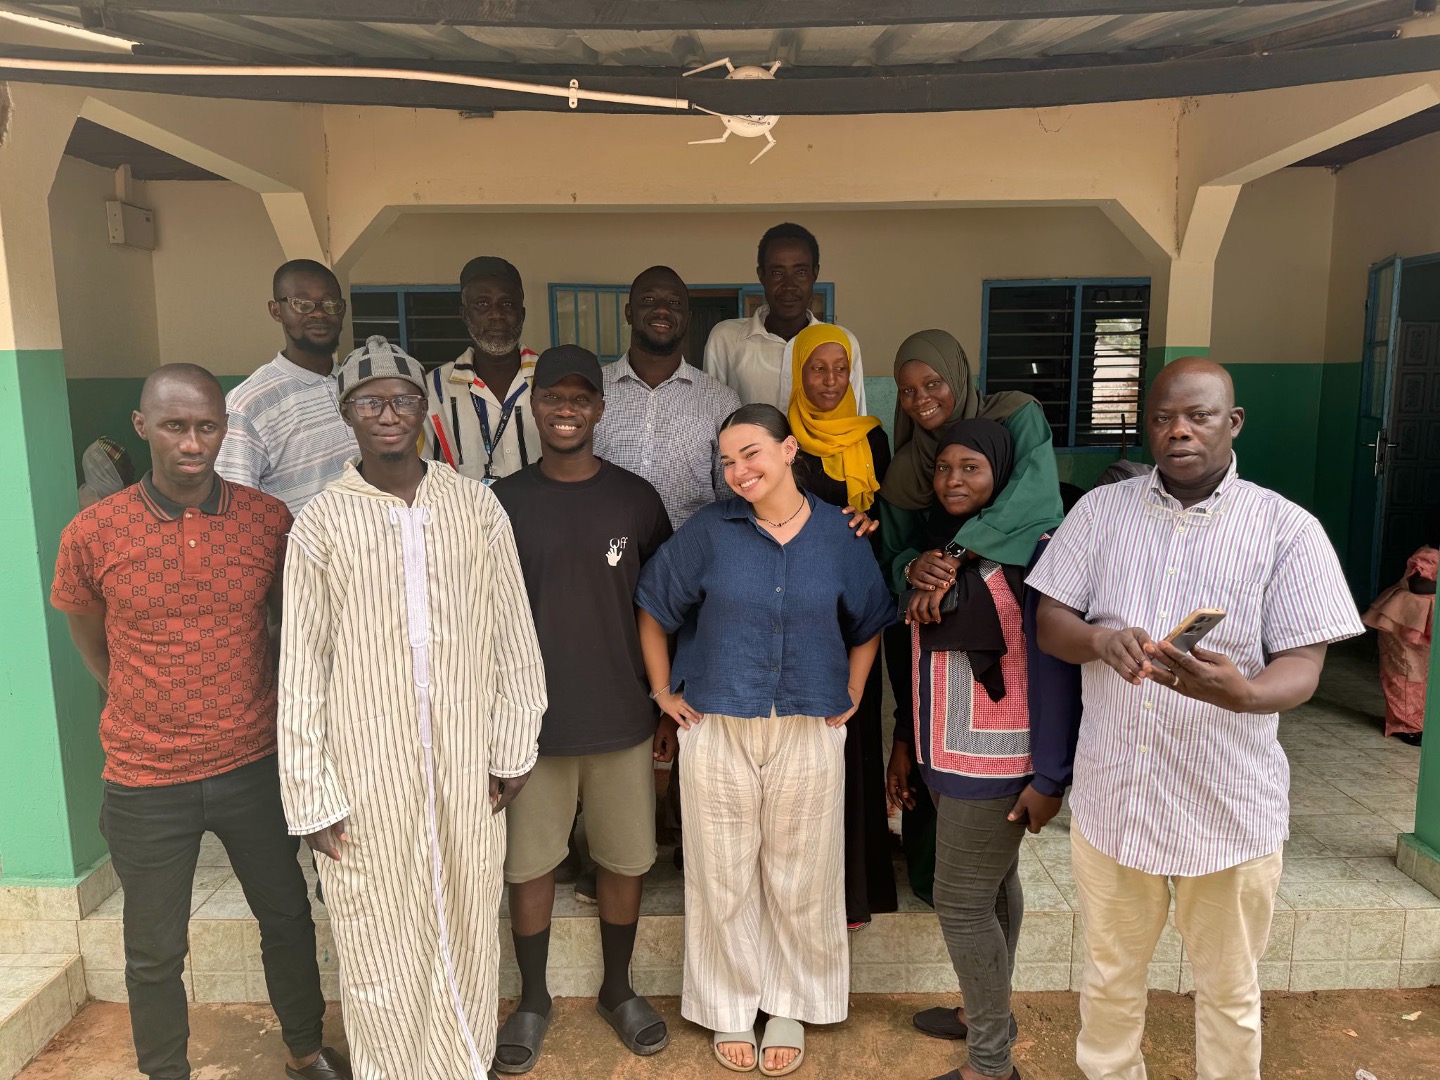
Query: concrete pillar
{"type": "Point", "coordinates": [49, 705]}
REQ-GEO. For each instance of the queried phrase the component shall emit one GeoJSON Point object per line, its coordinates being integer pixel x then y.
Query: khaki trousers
{"type": "Point", "coordinates": [764, 871]}
{"type": "Point", "coordinates": [1224, 922]}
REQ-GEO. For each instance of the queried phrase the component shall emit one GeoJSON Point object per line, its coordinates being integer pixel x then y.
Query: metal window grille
{"type": "Point", "coordinates": [1078, 346]}
{"type": "Point", "coordinates": [424, 320]}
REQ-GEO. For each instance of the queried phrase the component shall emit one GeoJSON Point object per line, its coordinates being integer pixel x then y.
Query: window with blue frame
{"type": "Point", "coordinates": [424, 320]}
{"type": "Point", "coordinates": [1078, 346]}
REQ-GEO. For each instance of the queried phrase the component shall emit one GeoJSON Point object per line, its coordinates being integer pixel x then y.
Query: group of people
{"type": "Point", "coordinates": [419, 618]}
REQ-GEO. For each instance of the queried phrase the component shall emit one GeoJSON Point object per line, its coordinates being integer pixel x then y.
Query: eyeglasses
{"type": "Point", "coordinates": [302, 306]}
{"type": "Point", "coordinates": [368, 408]}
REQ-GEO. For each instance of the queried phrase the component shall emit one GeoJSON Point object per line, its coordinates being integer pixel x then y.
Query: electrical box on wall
{"type": "Point", "coordinates": [133, 226]}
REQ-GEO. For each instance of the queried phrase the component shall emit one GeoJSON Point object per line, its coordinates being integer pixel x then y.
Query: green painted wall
{"type": "Point", "coordinates": [1277, 446]}
{"type": "Point", "coordinates": [1427, 798]}
{"type": "Point", "coordinates": [49, 705]}
{"type": "Point", "coordinates": [1335, 451]}
{"type": "Point", "coordinates": [103, 407]}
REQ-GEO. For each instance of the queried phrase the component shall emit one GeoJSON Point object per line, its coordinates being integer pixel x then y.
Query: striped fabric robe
{"type": "Point", "coordinates": [409, 672]}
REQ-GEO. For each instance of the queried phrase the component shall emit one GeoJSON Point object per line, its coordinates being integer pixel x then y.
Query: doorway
{"type": "Point", "coordinates": [1397, 467]}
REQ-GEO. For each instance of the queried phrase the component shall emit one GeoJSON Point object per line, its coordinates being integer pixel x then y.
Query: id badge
{"type": "Point", "coordinates": [488, 480]}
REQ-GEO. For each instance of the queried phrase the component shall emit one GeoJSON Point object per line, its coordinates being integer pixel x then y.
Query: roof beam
{"type": "Point", "coordinates": [580, 15]}
{"type": "Point", "coordinates": [948, 88]}
{"type": "Point", "coordinates": [1380, 15]}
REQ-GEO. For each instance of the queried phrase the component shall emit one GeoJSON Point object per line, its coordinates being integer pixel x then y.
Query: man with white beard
{"type": "Point", "coordinates": [479, 419]}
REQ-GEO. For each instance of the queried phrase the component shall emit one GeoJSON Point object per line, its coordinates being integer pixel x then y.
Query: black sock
{"type": "Point", "coordinates": [532, 954]}
{"type": "Point", "coordinates": [617, 944]}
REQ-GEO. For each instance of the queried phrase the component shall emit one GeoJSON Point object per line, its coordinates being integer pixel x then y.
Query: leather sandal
{"type": "Point", "coordinates": [328, 1066]}
{"type": "Point", "coordinates": [631, 1019]}
{"type": "Point", "coordinates": [942, 1023]}
{"type": "Point", "coordinates": [525, 1030]}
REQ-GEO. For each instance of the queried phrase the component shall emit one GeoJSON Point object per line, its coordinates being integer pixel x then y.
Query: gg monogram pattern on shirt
{"type": "Point", "coordinates": [192, 684]}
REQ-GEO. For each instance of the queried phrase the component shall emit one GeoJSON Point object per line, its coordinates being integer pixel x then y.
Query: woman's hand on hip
{"type": "Point", "coordinates": [675, 707]}
{"type": "Point", "coordinates": [839, 721]}
{"type": "Point", "coordinates": [897, 777]}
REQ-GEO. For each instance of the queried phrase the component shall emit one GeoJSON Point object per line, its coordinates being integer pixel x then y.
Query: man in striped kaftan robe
{"type": "Point", "coordinates": [412, 695]}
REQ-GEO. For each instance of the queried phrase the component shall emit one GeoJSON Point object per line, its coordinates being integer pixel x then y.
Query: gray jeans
{"type": "Point", "coordinates": [980, 905]}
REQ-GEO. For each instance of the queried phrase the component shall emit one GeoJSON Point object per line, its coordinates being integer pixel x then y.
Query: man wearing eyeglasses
{"type": "Point", "coordinates": [479, 420]}
{"type": "Point", "coordinates": [286, 437]}
{"type": "Point", "coordinates": [411, 695]}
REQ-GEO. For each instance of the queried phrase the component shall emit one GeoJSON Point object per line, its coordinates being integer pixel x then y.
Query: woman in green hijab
{"type": "Point", "coordinates": [934, 388]}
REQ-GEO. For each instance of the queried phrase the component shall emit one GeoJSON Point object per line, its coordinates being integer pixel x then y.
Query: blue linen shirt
{"type": "Point", "coordinates": [764, 625]}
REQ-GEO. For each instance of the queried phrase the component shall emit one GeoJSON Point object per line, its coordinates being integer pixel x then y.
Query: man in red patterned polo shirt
{"type": "Point", "coordinates": [166, 586]}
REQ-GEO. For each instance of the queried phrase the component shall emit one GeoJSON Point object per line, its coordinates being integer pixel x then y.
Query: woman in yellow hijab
{"type": "Point", "coordinates": [846, 454]}
{"type": "Point", "coordinates": [845, 457]}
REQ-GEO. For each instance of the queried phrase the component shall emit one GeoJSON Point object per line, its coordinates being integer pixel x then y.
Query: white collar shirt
{"type": "Point", "coordinates": [1163, 783]}
{"type": "Point", "coordinates": [668, 434]}
{"type": "Point", "coordinates": [285, 435]}
{"type": "Point", "coordinates": [744, 355]}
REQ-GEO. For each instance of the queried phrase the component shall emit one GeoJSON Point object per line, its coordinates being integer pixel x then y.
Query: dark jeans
{"type": "Point", "coordinates": [980, 905]}
{"type": "Point", "coordinates": [154, 836]}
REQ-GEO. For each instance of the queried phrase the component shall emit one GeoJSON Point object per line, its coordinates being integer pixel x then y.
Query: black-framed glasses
{"type": "Point", "coordinates": [368, 408]}
{"type": "Point", "coordinates": [302, 306]}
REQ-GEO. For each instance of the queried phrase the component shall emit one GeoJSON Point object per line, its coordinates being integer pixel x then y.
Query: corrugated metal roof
{"type": "Point", "coordinates": [206, 31]}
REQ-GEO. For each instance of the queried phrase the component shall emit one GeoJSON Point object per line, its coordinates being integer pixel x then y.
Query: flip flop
{"type": "Point", "coordinates": [781, 1033]}
{"type": "Point", "coordinates": [527, 1031]}
{"type": "Point", "coordinates": [735, 1037]}
{"type": "Point", "coordinates": [631, 1019]}
{"type": "Point", "coordinates": [942, 1023]}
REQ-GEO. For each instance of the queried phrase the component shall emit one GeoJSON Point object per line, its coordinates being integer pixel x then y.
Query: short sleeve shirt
{"type": "Point", "coordinates": [192, 689]}
{"type": "Point", "coordinates": [1164, 783]}
{"type": "Point", "coordinates": [581, 547]}
{"type": "Point", "coordinates": [765, 625]}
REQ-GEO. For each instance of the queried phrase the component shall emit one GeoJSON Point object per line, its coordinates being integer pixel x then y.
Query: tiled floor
{"type": "Point", "coordinates": [39, 993]}
{"type": "Point", "coordinates": [1346, 916]}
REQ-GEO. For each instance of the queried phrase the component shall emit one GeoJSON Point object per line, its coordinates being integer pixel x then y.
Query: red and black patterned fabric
{"type": "Point", "coordinates": [183, 590]}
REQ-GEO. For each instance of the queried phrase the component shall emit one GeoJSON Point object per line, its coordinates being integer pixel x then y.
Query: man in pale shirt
{"type": "Point", "coordinates": [752, 355]}
{"type": "Point", "coordinates": [285, 434]}
{"type": "Point", "coordinates": [1179, 777]}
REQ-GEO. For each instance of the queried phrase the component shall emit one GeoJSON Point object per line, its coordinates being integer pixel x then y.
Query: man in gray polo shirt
{"type": "Point", "coordinates": [286, 437]}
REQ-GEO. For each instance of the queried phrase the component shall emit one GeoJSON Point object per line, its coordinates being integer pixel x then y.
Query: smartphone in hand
{"type": "Point", "coordinates": [1194, 627]}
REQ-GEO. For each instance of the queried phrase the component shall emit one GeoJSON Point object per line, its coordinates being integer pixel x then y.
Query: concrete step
{"type": "Point", "coordinates": [39, 994]}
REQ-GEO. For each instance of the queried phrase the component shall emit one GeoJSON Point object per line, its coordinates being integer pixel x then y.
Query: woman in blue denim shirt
{"type": "Point", "coordinates": [778, 608]}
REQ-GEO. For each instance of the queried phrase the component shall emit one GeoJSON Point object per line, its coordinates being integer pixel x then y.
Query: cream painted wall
{"type": "Point", "coordinates": [1384, 205]}
{"type": "Point", "coordinates": [895, 271]}
{"type": "Point", "coordinates": [1272, 275]}
{"type": "Point", "coordinates": [106, 291]}
{"type": "Point", "coordinates": [213, 266]}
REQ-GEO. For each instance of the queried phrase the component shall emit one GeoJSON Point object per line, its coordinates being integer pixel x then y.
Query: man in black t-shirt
{"type": "Point", "coordinates": [583, 527]}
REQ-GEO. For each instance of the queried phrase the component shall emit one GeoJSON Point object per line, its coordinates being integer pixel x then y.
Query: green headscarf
{"type": "Point", "coordinates": [908, 481]}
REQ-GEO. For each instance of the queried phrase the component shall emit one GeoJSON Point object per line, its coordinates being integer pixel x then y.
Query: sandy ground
{"type": "Point", "coordinates": [1314, 1036]}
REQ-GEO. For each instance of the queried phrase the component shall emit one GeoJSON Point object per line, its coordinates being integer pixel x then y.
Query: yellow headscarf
{"type": "Point", "coordinates": [838, 437]}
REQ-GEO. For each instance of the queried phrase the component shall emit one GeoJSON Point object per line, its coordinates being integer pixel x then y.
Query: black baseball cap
{"type": "Point", "coordinates": [562, 360]}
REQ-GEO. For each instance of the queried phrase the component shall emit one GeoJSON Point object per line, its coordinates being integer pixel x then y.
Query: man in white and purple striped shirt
{"type": "Point", "coordinates": [1179, 776]}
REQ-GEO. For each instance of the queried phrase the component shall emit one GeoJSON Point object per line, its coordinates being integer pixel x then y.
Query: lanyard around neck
{"type": "Point", "coordinates": [482, 413]}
